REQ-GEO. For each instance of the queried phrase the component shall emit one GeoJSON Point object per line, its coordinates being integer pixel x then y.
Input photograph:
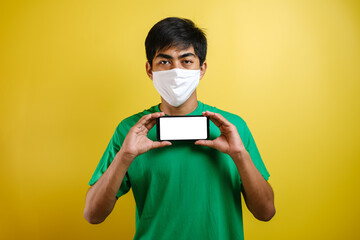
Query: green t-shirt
{"type": "Point", "coordinates": [184, 191]}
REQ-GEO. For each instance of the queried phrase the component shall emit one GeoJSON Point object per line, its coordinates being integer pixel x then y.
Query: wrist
{"type": "Point", "coordinates": [125, 158]}
{"type": "Point", "coordinates": [240, 155]}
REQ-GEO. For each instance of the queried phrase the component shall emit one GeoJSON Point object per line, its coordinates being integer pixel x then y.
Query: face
{"type": "Point", "coordinates": [176, 57]}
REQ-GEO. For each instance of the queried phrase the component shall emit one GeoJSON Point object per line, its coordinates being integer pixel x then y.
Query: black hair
{"type": "Point", "coordinates": [178, 32]}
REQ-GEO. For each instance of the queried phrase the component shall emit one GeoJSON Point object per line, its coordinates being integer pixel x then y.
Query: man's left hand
{"type": "Point", "coordinates": [229, 141]}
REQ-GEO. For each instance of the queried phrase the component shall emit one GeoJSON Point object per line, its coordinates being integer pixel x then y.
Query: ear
{"type": "Point", "coordinates": [203, 69]}
{"type": "Point", "coordinates": [149, 70]}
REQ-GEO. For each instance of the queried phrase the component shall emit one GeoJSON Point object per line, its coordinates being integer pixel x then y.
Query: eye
{"type": "Point", "coordinates": [164, 62]}
{"type": "Point", "coordinates": [187, 62]}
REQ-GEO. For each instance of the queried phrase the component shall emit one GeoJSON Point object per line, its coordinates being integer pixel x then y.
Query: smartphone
{"type": "Point", "coordinates": [177, 128]}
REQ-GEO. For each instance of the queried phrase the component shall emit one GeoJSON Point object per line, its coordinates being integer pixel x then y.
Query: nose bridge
{"type": "Point", "coordinates": [176, 63]}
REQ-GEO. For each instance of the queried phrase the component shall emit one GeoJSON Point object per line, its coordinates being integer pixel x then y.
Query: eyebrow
{"type": "Point", "coordinates": [162, 55]}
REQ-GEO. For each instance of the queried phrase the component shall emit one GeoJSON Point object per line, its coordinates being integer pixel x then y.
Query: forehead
{"type": "Point", "coordinates": [175, 51]}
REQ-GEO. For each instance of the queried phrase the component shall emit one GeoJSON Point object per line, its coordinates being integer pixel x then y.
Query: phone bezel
{"type": "Point", "coordinates": [158, 127]}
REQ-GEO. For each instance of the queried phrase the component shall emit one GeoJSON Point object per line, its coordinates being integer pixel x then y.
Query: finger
{"type": "Point", "coordinates": [161, 144]}
{"type": "Point", "coordinates": [207, 143]}
{"type": "Point", "coordinates": [143, 120]}
{"type": "Point", "coordinates": [150, 124]}
{"type": "Point", "coordinates": [217, 119]}
{"type": "Point", "coordinates": [147, 118]}
{"type": "Point", "coordinates": [152, 121]}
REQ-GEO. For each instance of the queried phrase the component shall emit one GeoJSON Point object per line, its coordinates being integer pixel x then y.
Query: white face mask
{"type": "Point", "coordinates": [176, 85]}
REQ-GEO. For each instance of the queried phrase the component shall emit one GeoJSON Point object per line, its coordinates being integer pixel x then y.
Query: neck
{"type": "Point", "coordinates": [187, 107]}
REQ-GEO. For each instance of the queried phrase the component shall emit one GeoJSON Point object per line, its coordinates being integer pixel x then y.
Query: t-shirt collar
{"type": "Point", "coordinates": [198, 111]}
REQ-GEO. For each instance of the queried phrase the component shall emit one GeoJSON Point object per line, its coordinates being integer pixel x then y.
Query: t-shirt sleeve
{"type": "Point", "coordinates": [107, 158]}
{"type": "Point", "coordinates": [251, 147]}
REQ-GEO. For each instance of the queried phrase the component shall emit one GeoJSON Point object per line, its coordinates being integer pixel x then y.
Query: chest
{"type": "Point", "coordinates": [183, 165]}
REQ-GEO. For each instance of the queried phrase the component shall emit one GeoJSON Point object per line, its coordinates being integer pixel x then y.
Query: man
{"type": "Point", "coordinates": [182, 190]}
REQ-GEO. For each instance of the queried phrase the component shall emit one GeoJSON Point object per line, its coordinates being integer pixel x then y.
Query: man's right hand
{"type": "Point", "coordinates": [101, 197]}
{"type": "Point", "coordinates": [136, 141]}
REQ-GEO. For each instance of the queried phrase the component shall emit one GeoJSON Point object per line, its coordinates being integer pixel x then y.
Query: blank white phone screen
{"type": "Point", "coordinates": [182, 128]}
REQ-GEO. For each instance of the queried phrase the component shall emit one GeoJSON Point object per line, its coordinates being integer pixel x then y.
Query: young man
{"type": "Point", "coordinates": [182, 190]}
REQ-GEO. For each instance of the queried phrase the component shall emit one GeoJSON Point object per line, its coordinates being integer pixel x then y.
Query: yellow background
{"type": "Point", "coordinates": [72, 70]}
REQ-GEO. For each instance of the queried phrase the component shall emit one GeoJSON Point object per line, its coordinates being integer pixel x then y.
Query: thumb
{"type": "Point", "coordinates": [208, 143]}
{"type": "Point", "coordinates": [160, 144]}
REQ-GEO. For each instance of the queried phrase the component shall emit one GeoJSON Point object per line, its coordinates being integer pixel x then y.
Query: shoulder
{"type": "Point", "coordinates": [130, 121]}
{"type": "Point", "coordinates": [236, 120]}
{"type": "Point", "coordinates": [231, 117]}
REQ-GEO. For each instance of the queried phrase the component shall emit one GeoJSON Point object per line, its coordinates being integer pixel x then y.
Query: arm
{"type": "Point", "coordinates": [257, 192]}
{"type": "Point", "coordinates": [101, 197]}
